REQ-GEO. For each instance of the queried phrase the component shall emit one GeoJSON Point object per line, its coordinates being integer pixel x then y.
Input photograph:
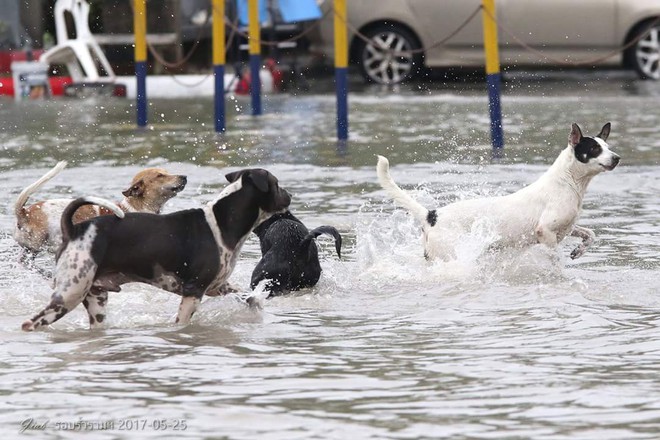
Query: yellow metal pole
{"type": "Point", "coordinates": [493, 77]}
{"type": "Point", "coordinates": [341, 68]}
{"type": "Point", "coordinates": [254, 29]}
{"type": "Point", "coordinates": [219, 60]}
{"type": "Point", "coordinates": [341, 35]}
{"type": "Point", "coordinates": [490, 37]}
{"type": "Point", "coordinates": [140, 32]}
{"type": "Point", "coordinates": [219, 49]}
{"type": "Point", "coordinates": [255, 55]}
{"type": "Point", "coordinates": [140, 29]}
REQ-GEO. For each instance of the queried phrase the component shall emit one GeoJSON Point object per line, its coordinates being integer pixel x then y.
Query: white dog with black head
{"type": "Point", "coordinates": [544, 212]}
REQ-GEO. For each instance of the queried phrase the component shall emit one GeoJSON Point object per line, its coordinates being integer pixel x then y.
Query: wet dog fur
{"type": "Point", "coordinates": [190, 253]}
{"type": "Point", "coordinates": [38, 225]}
{"type": "Point", "coordinates": [290, 259]}
{"type": "Point", "coordinates": [545, 211]}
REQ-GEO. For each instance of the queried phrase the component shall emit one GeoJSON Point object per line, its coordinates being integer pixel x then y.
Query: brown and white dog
{"type": "Point", "coordinates": [190, 253]}
{"type": "Point", "coordinates": [38, 225]}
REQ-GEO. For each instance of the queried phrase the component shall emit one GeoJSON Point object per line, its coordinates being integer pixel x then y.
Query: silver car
{"type": "Point", "coordinates": [392, 40]}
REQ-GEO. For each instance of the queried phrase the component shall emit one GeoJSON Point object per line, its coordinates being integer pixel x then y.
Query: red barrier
{"type": "Point", "coordinates": [57, 85]}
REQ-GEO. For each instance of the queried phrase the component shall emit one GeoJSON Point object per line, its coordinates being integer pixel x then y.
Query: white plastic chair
{"type": "Point", "coordinates": [82, 55]}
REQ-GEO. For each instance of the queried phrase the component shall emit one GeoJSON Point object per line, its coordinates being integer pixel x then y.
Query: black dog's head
{"type": "Point", "coordinates": [263, 227]}
{"type": "Point", "coordinates": [290, 259]}
{"type": "Point", "coordinates": [270, 196]}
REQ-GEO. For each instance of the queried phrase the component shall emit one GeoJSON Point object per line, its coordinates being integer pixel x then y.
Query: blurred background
{"type": "Point", "coordinates": [389, 40]}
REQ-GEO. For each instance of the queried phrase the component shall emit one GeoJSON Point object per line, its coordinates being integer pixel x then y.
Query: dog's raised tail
{"type": "Point", "coordinates": [67, 216]}
{"type": "Point", "coordinates": [399, 195]}
{"type": "Point", "coordinates": [329, 230]}
{"type": "Point", "coordinates": [23, 197]}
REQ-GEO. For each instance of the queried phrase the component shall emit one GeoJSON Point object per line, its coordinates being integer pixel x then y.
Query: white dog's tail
{"type": "Point", "coordinates": [399, 196]}
{"type": "Point", "coordinates": [31, 189]}
{"type": "Point", "coordinates": [67, 216]}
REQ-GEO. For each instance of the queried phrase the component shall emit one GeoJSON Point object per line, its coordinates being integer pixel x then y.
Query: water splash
{"type": "Point", "coordinates": [389, 249]}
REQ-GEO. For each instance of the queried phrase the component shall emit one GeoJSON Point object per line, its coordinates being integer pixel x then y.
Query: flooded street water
{"type": "Point", "coordinates": [387, 346]}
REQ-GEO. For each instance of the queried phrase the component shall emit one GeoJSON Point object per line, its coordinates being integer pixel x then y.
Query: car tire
{"type": "Point", "coordinates": [645, 55]}
{"type": "Point", "coordinates": [377, 62]}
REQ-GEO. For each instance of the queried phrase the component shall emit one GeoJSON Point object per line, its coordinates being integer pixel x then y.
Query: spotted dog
{"type": "Point", "coordinates": [290, 258]}
{"type": "Point", "coordinates": [38, 225]}
{"type": "Point", "coordinates": [189, 253]}
{"type": "Point", "coordinates": [544, 212]}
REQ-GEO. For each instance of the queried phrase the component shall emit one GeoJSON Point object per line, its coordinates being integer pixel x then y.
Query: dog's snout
{"type": "Point", "coordinates": [285, 198]}
{"type": "Point", "coordinates": [179, 184]}
{"type": "Point", "coordinates": [612, 162]}
{"type": "Point", "coordinates": [615, 160]}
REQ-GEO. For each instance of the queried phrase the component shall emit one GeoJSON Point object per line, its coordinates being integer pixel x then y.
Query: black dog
{"type": "Point", "coordinates": [290, 258]}
{"type": "Point", "coordinates": [190, 253]}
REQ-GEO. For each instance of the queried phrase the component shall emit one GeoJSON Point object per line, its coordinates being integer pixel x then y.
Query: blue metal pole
{"type": "Point", "coordinates": [141, 99]}
{"type": "Point", "coordinates": [341, 68]}
{"type": "Point", "coordinates": [341, 84]}
{"type": "Point", "coordinates": [493, 82]}
{"type": "Point", "coordinates": [219, 72]}
{"type": "Point", "coordinates": [255, 83]}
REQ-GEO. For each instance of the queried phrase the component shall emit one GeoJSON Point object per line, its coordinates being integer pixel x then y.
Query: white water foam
{"type": "Point", "coordinates": [389, 249]}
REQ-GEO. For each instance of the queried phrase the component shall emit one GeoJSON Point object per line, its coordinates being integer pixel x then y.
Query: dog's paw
{"type": "Point", "coordinates": [578, 252]}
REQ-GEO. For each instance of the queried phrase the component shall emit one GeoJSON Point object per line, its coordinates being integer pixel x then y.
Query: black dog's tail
{"type": "Point", "coordinates": [329, 230]}
{"type": "Point", "coordinates": [66, 223]}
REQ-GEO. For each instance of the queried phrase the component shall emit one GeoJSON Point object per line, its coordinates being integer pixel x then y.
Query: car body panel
{"type": "Point", "coordinates": [628, 18]}
{"type": "Point", "coordinates": [560, 23]}
{"type": "Point", "coordinates": [436, 26]}
{"type": "Point", "coordinates": [559, 31]}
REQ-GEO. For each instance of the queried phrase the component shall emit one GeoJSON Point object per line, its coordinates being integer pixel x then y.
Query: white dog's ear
{"type": "Point", "coordinates": [605, 131]}
{"type": "Point", "coordinates": [575, 136]}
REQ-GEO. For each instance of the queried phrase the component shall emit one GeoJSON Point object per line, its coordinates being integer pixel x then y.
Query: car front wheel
{"type": "Point", "coordinates": [391, 56]}
{"type": "Point", "coordinates": [645, 54]}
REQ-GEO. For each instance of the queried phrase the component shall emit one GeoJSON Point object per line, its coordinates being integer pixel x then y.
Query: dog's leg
{"type": "Point", "coordinates": [440, 244]}
{"type": "Point", "coordinates": [259, 273]}
{"type": "Point", "coordinates": [73, 282]}
{"type": "Point", "coordinates": [27, 257]}
{"type": "Point", "coordinates": [95, 302]}
{"type": "Point", "coordinates": [545, 235]}
{"type": "Point", "coordinates": [186, 309]}
{"type": "Point", "coordinates": [65, 299]}
{"type": "Point", "coordinates": [587, 236]}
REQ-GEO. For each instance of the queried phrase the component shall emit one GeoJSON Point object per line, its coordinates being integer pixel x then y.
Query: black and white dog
{"type": "Point", "coordinates": [544, 212]}
{"type": "Point", "coordinates": [190, 253]}
{"type": "Point", "coordinates": [290, 258]}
